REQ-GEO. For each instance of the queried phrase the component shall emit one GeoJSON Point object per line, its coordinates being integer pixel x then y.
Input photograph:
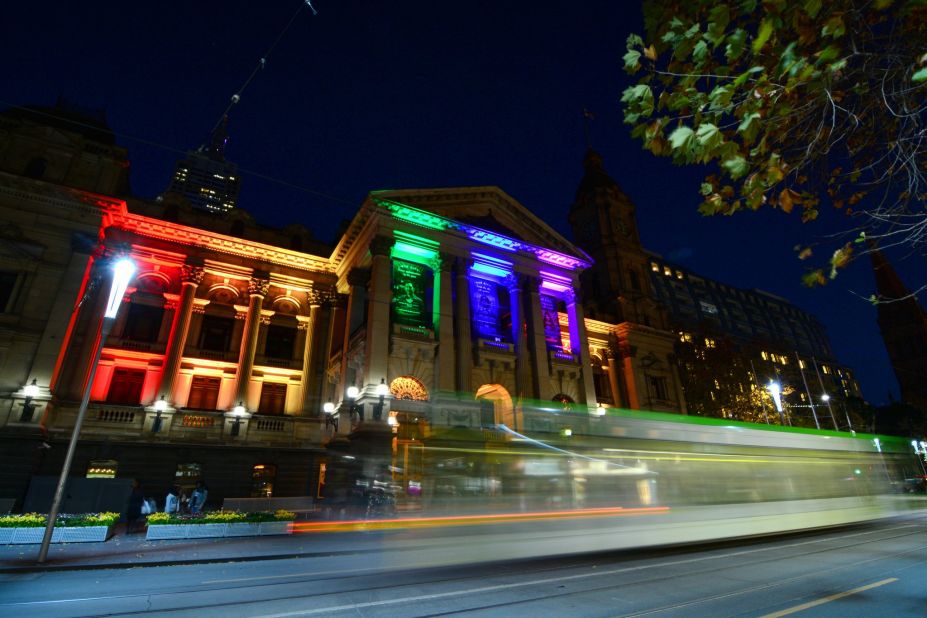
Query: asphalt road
{"type": "Point", "coordinates": [863, 570]}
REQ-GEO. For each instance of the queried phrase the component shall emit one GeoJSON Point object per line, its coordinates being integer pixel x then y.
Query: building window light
{"type": "Point", "coordinates": [667, 271]}
{"type": "Point", "coordinates": [679, 274]}
{"type": "Point", "coordinates": [764, 355]}
{"type": "Point", "coordinates": [655, 267]}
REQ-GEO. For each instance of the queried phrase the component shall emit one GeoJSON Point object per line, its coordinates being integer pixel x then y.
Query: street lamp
{"type": "Point", "coordinates": [30, 391]}
{"type": "Point", "coordinates": [238, 411]}
{"type": "Point", "coordinates": [352, 394]}
{"type": "Point", "coordinates": [330, 419]}
{"type": "Point", "coordinates": [123, 271]}
{"type": "Point", "coordinates": [382, 392]}
{"type": "Point", "coordinates": [775, 391]}
{"type": "Point", "coordinates": [160, 406]}
{"type": "Point", "coordinates": [600, 410]}
{"type": "Point", "coordinates": [826, 399]}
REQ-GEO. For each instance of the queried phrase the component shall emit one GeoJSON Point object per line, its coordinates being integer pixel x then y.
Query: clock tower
{"type": "Point", "coordinates": [617, 288]}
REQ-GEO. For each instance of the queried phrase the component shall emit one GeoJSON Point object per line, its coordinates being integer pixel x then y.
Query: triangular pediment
{"type": "Point", "coordinates": [489, 208]}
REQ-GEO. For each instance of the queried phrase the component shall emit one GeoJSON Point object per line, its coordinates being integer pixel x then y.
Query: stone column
{"type": "Point", "coordinates": [540, 368]}
{"type": "Point", "coordinates": [464, 343]}
{"type": "Point", "coordinates": [257, 290]}
{"type": "Point", "coordinates": [446, 354]}
{"type": "Point", "coordinates": [618, 395]}
{"type": "Point", "coordinates": [516, 283]}
{"type": "Point", "coordinates": [191, 276]}
{"type": "Point", "coordinates": [380, 297]}
{"type": "Point", "coordinates": [580, 344]}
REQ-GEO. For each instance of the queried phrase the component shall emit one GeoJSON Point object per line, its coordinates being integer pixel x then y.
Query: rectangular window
{"type": "Point", "coordinates": [658, 387]}
{"type": "Point", "coordinates": [273, 398]}
{"type": "Point", "coordinates": [262, 480]}
{"type": "Point", "coordinates": [216, 333]}
{"type": "Point", "coordinates": [204, 393]}
{"type": "Point", "coordinates": [126, 387]}
{"type": "Point", "coordinates": [143, 323]}
{"type": "Point", "coordinates": [7, 286]}
{"type": "Point", "coordinates": [281, 340]}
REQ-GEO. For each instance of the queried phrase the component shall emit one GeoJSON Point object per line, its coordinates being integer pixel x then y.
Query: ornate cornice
{"type": "Point", "coordinates": [211, 241]}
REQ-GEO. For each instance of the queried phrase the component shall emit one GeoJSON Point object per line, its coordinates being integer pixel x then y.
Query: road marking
{"type": "Point", "coordinates": [828, 599]}
{"type": "Point", "coordinates": [744, 552]}
{"type": "Point", "coordinates": [552, 580]}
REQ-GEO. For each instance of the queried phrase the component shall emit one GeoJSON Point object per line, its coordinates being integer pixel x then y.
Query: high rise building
{"type": "Point", "coordinates": [205, 178]}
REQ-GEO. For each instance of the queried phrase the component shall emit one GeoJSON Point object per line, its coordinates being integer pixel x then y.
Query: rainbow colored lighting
{"type": "Point", "coordinates": [437, 222]}
{"type": "Point", "coordinates": [488, 269]}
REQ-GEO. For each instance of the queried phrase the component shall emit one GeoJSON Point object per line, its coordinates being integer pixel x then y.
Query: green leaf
{"type": "Point", "coordinates": [742, 78]}
{"type": "Point", "coordinates": [765, 31]}
{"type": "Point", "coordinates": [831, 52]}
{"type": "Point", "coordinates": [920, 75]}
{"type": "Point", "coordinates": [812, 7]}
{"type": "Point", "coordinates": [706, 188]}
{"type": "Point", "coordinates": [735, 44]}
{"type": "Point", "coordinates": [700, 53]}
{"type": "Point", "coordinates": [834, 27]}
{"type": "Point", "coordinates": [736, 166]}
{"type": "Point", "coordinates": [720, 97]}
{"type": "Point", "coordinates": [749, 126]}
{"type": "Point", "coordinates": [681, 137]}
{"type": "Point", "coordinates": [632, 61]}
{"type": "Point", "coordinates": [709, 137]}
{"type": "Point", "coordinates": [718, 19]}
{"type": "Point", "coordinates": [633, 41]}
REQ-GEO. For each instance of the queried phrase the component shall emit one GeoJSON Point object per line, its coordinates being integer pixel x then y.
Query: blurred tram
{"type": "Point", "coordinates": [632, 479]}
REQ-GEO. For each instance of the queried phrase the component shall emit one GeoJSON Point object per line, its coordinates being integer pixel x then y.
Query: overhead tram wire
{"type": "Point", "coordinates": [174, 150]}
{"type": "Point", "coordinates": [262, 62]}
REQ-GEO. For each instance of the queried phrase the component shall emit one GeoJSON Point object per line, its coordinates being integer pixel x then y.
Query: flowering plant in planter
{"type": "Point", "coordinates": [64, 520]}
{"type": "Point", "coordinates": [218, 517]}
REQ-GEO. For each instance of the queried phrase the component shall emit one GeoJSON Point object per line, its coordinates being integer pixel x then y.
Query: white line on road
{"type": "Point", "coordinates": [549, 580]}
{"type": "Point", "coordinates": [828, 599]}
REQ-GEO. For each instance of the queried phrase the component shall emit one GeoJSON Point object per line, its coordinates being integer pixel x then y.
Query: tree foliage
{"type": "Point", "coordinates": [799, 105]}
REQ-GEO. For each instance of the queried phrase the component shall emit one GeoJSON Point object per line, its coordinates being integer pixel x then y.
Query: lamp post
{"type": "Point", "coordinates": [352, 394]}
{"type": "Point", "coordinates": [775, 391]}
{"type": "Point", "coordinates": [330, 419]}
{"type": "Point", "coordinates": [123, 271]}
{"type": "Point", "coordinates": [826, 399]}
{"type": "Point", "coordinates": [238, 412]}
{"type": "Point", "coordinates": [30, 391]}
{"type": "Point", "coordinates": [382, 392]}
{"type": "Point", "coordinates": [160, 406]}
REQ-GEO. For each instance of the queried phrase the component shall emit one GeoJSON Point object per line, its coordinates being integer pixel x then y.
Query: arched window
{"type": "Point", "coordinates": [407, 387]}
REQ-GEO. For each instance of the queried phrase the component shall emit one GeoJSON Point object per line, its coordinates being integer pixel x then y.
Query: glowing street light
{"type": "Point", "coordinates": [31, 391]}
{"type": "Point", "coordinates": [123, 271]}
{"type": "Point", "coordinates": [352, 394]}
{"type": "Point", "coordinates": [775, 391]}
{"type": "Point", "coordinates": [382, 392]}
{"type": "Point", "coordinates": [330, 419]}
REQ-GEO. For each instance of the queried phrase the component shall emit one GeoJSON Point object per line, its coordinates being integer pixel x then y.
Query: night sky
{"type": "Point", "coordinates": [373, 95]}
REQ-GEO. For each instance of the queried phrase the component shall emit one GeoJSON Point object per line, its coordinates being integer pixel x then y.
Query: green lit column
{"type": "Point", "coordinates": [445, 325]}
{"type": "Point", "coordinates": [541, 365]}
{"type": "Point", "coordinates": [376, 357]}
{"type": "Point", "coordinates": [464, 342]}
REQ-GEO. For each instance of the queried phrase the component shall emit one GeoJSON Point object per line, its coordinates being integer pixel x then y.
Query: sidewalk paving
{"type": "Point", "coordinates": [133, 551]}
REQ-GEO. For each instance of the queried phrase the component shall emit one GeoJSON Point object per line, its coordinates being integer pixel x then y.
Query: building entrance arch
{"type": "Point", "coordinates": [502, 405]}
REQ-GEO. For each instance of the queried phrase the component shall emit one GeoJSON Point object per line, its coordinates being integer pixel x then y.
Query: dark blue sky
{"type": "Point", "coordinates": [374, 95]}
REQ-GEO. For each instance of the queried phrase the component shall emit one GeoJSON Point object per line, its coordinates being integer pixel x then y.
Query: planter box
{"type": "Point", "coordinates": [23, 536]}
{"type": "Point", "coordinates": [199, 531]}
{"type": "Point", "coordinates": [202, 531]}
{"type": "Point", "coordinates": [167, 531]}
{"type": "Point", "coordinates": [276, 527]}
{"type": "Point", "coordinates": [244, 529]}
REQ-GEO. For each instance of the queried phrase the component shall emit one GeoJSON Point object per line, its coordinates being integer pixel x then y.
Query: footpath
{"type": "Point", "coordinates": [133, 551]}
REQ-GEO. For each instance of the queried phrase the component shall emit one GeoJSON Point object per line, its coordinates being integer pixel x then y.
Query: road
{"type": "Point", "coordinates": [861, 570]}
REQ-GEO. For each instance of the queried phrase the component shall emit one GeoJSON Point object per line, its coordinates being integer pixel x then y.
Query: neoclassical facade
{"type": "Point", "coordinates": [456, 296]}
